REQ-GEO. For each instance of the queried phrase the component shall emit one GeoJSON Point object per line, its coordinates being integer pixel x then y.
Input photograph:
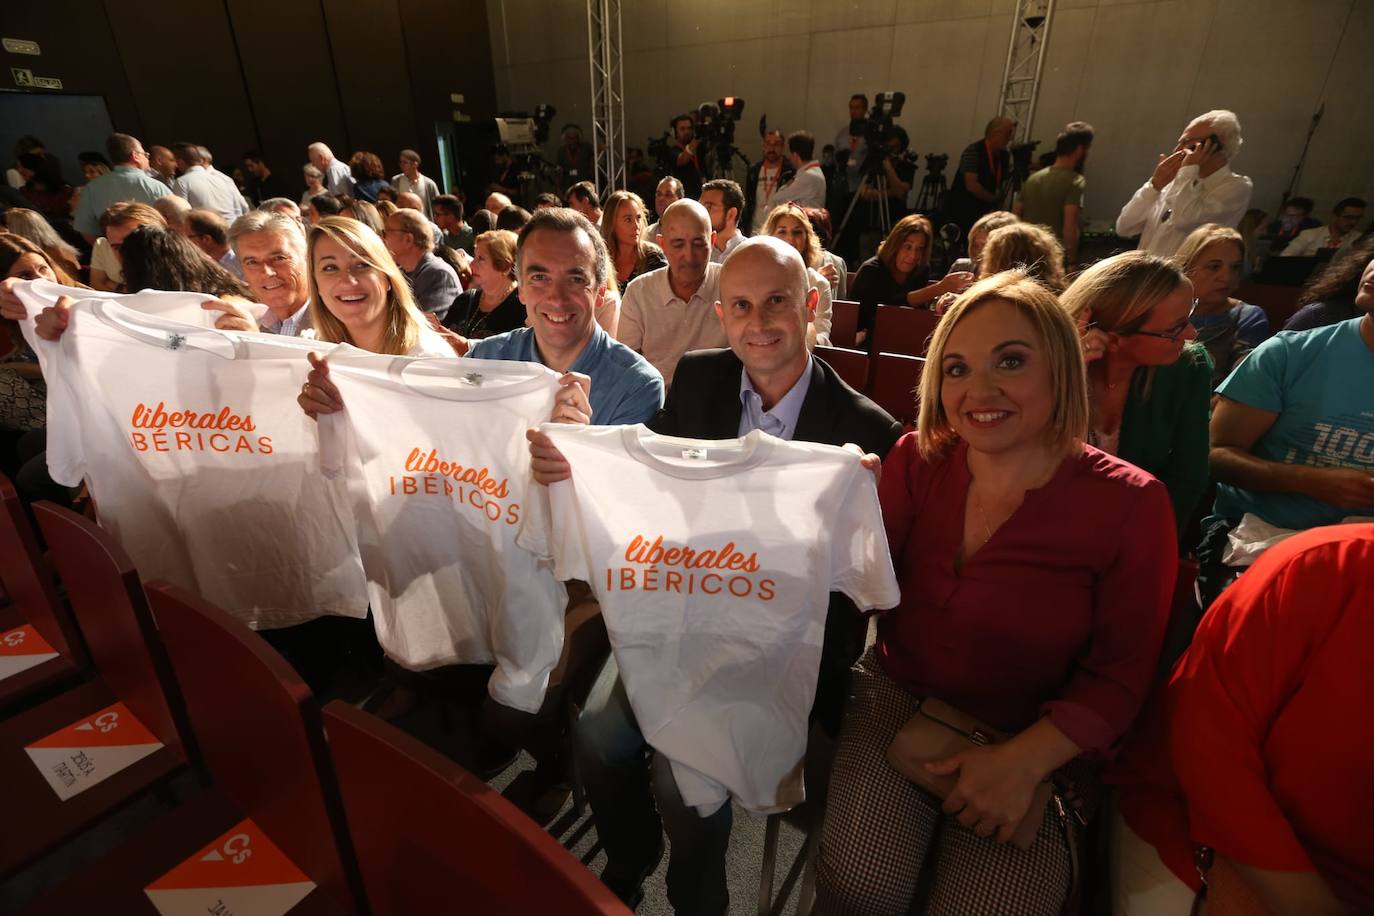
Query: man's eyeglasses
{"type": "Point", "coordinates": [1172, 335]}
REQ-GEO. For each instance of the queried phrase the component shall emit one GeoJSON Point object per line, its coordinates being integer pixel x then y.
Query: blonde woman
{"type": "Point", "coordinates": [899, 274]}
{"type": "Point", "coordinates": [623, 221]}
{"type": "Point", "coordinates": [1028, 246]}
{"type": "Point", "coordinates": [1151, 387]}
{"type": "Point", "coordinates": [31, 225]}
{"type": "Point", "coordinates": [978, 233]}
{"type": "Point", "coordinates": [1214, 258]}
{"type": "Point", "coordinates": [1035, 573]}
{"type": "Point", "coordinates": [789, 223]}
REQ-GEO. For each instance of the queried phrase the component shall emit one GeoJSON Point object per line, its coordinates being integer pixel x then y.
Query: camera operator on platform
{"type": "Point", "coordinates": [979, 184]}
{"type": "Point", "coordinates": [850, 148]}
{"type": "Point", "coordinates": [689, 165]}
{"type": "Point", "coordinates": [890, 161]}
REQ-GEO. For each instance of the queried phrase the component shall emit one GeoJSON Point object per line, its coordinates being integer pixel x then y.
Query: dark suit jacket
{"type": "Point", "coordinates": [703, 403]}
{"type": "Point", "coordinates": [751, 191]}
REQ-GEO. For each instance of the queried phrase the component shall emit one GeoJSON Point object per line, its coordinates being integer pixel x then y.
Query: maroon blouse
{"type": "Point", "coordinates": [1061, 613]}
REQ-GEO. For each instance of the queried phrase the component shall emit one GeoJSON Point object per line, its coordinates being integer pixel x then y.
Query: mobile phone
{"type": "Point", "coordinates": [962, 264]}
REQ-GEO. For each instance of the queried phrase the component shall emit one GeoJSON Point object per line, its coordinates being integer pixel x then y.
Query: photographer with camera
{"type": "Point", "coordinates": [762, 181]}
{"type": "Point", "coordinates": [1190, 187]}
{"type": "Point", "coordinates": [807, 187]}
{"type": "Point", "coordinates": [898, 167]}
{"type": "Point", "coordinates": [688, 164]}
{"type": "Point", "coordinates": [980, 182]}
{"type": "Point", "coordinates": [575, 158]}
{"type": "Point", "coordinates": [850, 148]}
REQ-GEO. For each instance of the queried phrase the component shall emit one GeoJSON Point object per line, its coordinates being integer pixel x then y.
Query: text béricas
{"type": "Point", "coordinates": [473, 487]}
{"type": "Point", "coordinates": [689, 571]}
{"type": "Point", "coordinates": [156, 429]}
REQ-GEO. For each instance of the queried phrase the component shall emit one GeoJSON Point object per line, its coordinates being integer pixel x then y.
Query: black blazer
{"type": "Point", "coordinates": [703, 403]}
{"type": "Point", "coordinates": [751, 191]}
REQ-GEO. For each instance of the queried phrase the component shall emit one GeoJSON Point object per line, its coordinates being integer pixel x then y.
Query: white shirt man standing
{"type": "Point", "coordinates": [337, 178]}
{"type": "Point", "coordinates": [1191, 186]}
{"type": "Point", "coordinates": [723, 200]}
{"type": "Point", "coordinates": [807, 187]}
{"type": "Point", "coordinates": [203, 188]}
{"type": "Point", "coordinates": [410, 180]}
{"type": "Point", "coordinates": [669, 311]}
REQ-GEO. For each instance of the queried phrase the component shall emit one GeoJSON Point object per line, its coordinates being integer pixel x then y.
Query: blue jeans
{"type": "Point", "coordinates": [622, 785]}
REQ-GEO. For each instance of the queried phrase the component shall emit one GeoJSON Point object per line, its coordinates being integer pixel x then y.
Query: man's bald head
{"type": "Point", "coordinates": [686, 209]}
{"type": "Point", "coordinates": [765, 255]}
{"type": "Point", "coordinates": [409, 200]}
{"type": "Point", "coordinates": [766, 301]}
{"type": "Point", "coordinates": [999, 132]}
{"type": "Point", "coordinates": [496, 202]}
{"type": "Point", "coordinates": [684, 234]}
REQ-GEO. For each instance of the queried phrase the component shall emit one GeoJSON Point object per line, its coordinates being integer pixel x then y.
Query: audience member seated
{"type": "Point", "coordinates": [722, 394]}
{"type": "Point", "coordinates": [1190, 187]}
{"type": "Point", "coordinates": [433, 282]}
{"type": "Point", "coordinates": [1028, 246]}
{"type": "Point", "coordinates": [176, 211]}
{"type": "Point", "coordinates": [1053, 196]}
{"type": "Point", "coordinates": [668, 192]}
{"type": "Point", "coordinates": [31, 225]}
{"type": "Point", "coordinates": [789, 223]}
{"type": "Point", "coordinates": [27, 145]}
{"type": "Point", "coordinates": [833, 267]}
{"type": "Point", "coordinates": [93, 165]}
{"type": "Point", "coordinates": [583, 198]}
{"type": "Point", "coordinates": [43, 187]}
{"type": "Point", "coordinates": [807, 187]}
{"type": "Point", "coordinates": [496, 202]}
{"type": "Point", "coordinates": [622, 228]}
{"type": "Point", "coordinates": [158, 258]}
{"type": "Point", "coordinates": [359, 296]}
{"type": "Point", "coordinates": [1214, 258]}
{"type": "Point", "coordinates": [1331, 296]}
{"type": "Point", "coordinates": [1297, 217]}
{"type": "Point", "coordinates": [1245, 764]}
{"type": "Point", "coordinates": [724, 200]}
{"type": "Point", "coordinates": [271, 251]}
{"type": "Point", "coordinates": [512, 218]}
{"type": "Point", "coordinates": [203, 187]}
{"type": "Point", "coordinates": [1290, 434]}
{"type": "Point", "coordinates": [448, 216]}
{"type": "Point", "coordinates": [899, 274]}
{"type": "Point", "coordinates": [982, 175]}
{"type": "Point", "coordinates": [210, 233]}
{"type": "Point", "coordinates": [126, 182]}
{"type": "Point", "coordinates": [1149, 386]}
{"type": "Point", "coordinates": [491, 304]}
{"type": "Point", "coordinates": [667, 312]}
{"type": "Point", "coordinates": [23, 395]}
{"type": "Point", "coordinates": [335, 175]}
{"type": "Point", "coordinates": [1338, 235]}
{"type": "Point", "coordinates": [1007, 531]}
{"type": "Point", "coordinates": [410, 181]}
{"type": "Point", "coordinates": [367, 214]}
{"type": "Point", "coordinates": [547, 200]}
{"type": "Point", "coordinates": [314, 184]}
{"type": "Point", "coordinates": [322, 205]}
{"type": "Point", "coordinates": [117, 222]}
{"type": "Point", "coordinates": [979, 231]}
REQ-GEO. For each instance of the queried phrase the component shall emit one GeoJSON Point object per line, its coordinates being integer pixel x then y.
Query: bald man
{"type": "Point", "coordinates": [668, 312]}
{"type": "Point", "coordinates": [765, 380]}
{"type": "Point", "coordinates": [979, 185]}
{"type": "Point", "coordinates": [496, 202]}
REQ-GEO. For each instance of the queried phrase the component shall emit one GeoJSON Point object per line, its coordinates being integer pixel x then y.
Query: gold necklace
{"type": "Point", "coordinates": [978, 504]}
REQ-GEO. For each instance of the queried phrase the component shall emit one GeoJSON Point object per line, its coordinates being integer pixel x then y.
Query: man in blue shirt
{"type": "Point", "coordinates": [562, 264]}
{"type": "Point", "coordinates": [129, 180]}
{"type": "Point", "coordinates": [1293, 434]}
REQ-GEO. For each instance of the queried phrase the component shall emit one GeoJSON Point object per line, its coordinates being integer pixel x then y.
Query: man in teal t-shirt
{"type": "Point", "coordinates": [1293, 434]}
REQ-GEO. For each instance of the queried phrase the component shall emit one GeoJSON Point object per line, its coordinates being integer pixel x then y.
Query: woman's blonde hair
{"type": "Point", "coordinates": [403, 319]}
{"type": "Point", "coordinates": [906, 226]}
{"type": "Point", "coordinates": [813, 242]}
{"type": "Point", "coordinates": [500, 245]}
{"type": "Point", "coordinates": [1058, 338]}
{"type": "Point", "coordinates": [994, 220]}
{"type": "Point", "coordinates": [1120, 291]}
{"type": "Point", "coordinates": [33, 226]}
{"type": "Point", "coordinates": [1200, 238]}
{"type": "Point", "coordinates": [610, 211]}
{"type": "Point", "coordinates": [1028, 246]}
{"type": "Point", "coordinates": [367, 214]}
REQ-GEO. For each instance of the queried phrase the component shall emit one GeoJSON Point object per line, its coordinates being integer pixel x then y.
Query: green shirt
{"type": "Point", "coordinates": [1046, 193]}
{"type": "Point", "coordinates": [1166, 433]}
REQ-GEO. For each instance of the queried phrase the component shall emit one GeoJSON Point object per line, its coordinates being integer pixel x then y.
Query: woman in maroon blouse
{"type": "Point", "coordinates": [1036, 573]}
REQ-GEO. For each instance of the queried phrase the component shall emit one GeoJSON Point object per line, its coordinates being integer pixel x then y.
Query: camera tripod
{"type": "Point", "coordinates": [933, 188]}
{"type": "Point", "coordinates": [872, 181]}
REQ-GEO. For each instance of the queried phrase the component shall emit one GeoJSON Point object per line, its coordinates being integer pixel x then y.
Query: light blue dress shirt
{"type": "Point", "coordinates": [781, 421]}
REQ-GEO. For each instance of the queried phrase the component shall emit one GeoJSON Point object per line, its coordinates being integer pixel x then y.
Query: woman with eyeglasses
{"type": "Point", "coordinates": [1150, 386]}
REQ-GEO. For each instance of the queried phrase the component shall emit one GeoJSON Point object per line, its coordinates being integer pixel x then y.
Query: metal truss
{"type": "Point", "coordinates": [608, 93]}
{"type": "Point", "coordinates": [1030, 34]}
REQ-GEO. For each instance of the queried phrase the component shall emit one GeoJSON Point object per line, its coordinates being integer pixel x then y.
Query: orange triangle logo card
{"type": "Point", "coordinates": [21, 649]}
{"type": "Point", "coordinates": [242, 871]}
{"type": "Point", "coordinates": [91, 750]}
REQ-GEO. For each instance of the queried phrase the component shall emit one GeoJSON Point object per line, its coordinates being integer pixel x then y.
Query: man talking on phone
{"type": "Point", "coordinates": [1191, 186]}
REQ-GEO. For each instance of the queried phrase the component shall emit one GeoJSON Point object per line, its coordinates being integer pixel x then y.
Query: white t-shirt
{"type": "Point", "coordinates": [437, 462]}
{"type": "Point", "coordinates": [200, 461]}
{"type": "Point", "coordinates": [181, 307]}
{"type": "Point", "coordinates": [714, 562]}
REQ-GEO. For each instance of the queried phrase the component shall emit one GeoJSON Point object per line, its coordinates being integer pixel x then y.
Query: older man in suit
{"type": "Point", "coordinates": [766, 380]}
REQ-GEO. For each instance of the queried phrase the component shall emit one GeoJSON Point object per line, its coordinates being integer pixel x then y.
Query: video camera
{"type": "Point", "coordinates": [1021, 158]}
{"type": "Point", "coordinates": [715, 124]}
{"type": "Point", "coordinates": [878, 129]}
{"type": "Point", "coordinates": [935, 164]}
